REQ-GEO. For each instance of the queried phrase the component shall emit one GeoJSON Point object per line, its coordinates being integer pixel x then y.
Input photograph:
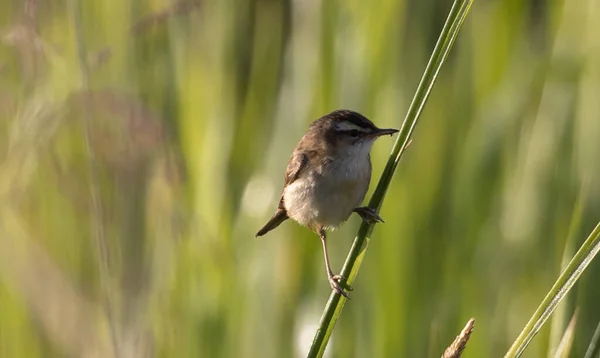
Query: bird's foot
{"type": "Point", "coordinates": [368, 214]}
{"type": "Point", "coordinates": [343, 281]}
{"type": "Point", "coordinates": [338, 283]}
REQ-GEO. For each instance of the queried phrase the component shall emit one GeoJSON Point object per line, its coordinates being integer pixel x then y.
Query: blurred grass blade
{"type": "Point", "coordinates": [565, 282]}
{"type": "Point", "coordinates": [593, 349]}
{"type": "Point", "coordinates": [334, 306]}
{"type": "Point", "coordinates": [559, 320]}
{"type": "Point", "coordinates": [566, 343]}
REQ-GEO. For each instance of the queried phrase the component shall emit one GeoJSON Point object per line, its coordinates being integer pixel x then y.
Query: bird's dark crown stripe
{"type": "Point", "coordinates": [352, 117]}
{"type": "Point", "coordinates": [360, 121]}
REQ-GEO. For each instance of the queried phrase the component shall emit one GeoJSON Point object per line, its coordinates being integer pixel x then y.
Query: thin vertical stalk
{"type": "Point", "coordinates": [336, 302]}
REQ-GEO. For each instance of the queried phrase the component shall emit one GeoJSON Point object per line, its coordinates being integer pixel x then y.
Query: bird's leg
{"type": "Point", "coordinates": [334, 280]}
{"type": "Point", "coordinates": [369, 215]}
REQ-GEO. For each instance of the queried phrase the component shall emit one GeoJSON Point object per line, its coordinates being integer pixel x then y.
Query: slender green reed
{"type": "Point", "coordinates": [334, 306]}
{"type": "Point", "coordinates": [594, 348]}
{"type": "Point", "coordinates": [562, 286]}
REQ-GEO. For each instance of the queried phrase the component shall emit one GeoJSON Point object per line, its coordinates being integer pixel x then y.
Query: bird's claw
{"type": "Point", "coordinates": [338, 283]}
{"type": "Point", "coordinates": [342, 281]}
{"type": "Point", "coordinates": [368, 214]}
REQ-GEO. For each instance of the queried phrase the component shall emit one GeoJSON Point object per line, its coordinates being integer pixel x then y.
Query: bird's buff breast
{"type": "Point", "coordinates": [321, 199]}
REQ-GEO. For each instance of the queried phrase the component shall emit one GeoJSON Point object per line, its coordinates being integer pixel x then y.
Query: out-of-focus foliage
{"type": "Point", "coordinates": [144, 143]}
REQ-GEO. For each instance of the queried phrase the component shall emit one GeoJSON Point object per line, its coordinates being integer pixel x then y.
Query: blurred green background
{"type": "Point", "coordinates": [143, 143]}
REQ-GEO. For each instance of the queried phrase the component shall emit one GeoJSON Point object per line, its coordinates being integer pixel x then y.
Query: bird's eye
{"type": "Point", "coordinates": [354, 133]}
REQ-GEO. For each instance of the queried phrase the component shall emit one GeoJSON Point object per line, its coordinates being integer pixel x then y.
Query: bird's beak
{"type": "Point", "coordinates": [381, 132]}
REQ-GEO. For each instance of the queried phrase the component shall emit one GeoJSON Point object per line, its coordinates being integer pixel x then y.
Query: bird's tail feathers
{"type": "Point", "coordinates": [279, 217]}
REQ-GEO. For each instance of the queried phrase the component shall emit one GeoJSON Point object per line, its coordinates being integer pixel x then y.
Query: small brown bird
{"type": "Point", "coordinates": [327, 177]}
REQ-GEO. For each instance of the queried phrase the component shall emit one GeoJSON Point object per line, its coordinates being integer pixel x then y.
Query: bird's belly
{"type": "Point", "coordinates": [316, 201]}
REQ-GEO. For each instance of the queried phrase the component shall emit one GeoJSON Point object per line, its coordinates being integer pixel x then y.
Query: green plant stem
{"type": "Point", "coordinates": [563, 284]}
{"type": "Point", "coordinates": [593, 350]}
{"type": "Point", "coordinates": [336, 302]}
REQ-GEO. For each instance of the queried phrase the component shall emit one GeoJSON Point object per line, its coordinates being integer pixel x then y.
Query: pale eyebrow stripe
{"type": "Point", "coordinates": [345, 126]}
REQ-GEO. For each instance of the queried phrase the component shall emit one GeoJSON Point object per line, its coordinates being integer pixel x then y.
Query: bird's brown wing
{"type": "Point", "coordinates": [297, 162]}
